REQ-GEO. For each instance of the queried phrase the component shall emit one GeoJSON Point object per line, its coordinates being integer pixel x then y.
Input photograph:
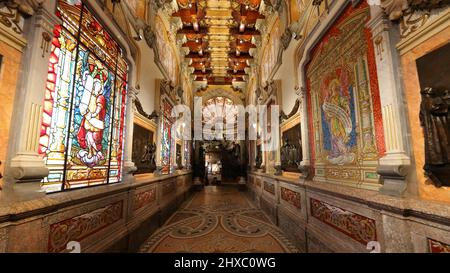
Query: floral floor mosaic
{"type": "Point", "coordinates": [218, 220]}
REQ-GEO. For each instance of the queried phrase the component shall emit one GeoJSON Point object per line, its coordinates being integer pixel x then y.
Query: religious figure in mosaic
{"type": "Point", "coordinates": [337, 114]}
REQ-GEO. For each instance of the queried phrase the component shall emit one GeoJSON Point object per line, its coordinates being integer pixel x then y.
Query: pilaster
{"type": "Point", "coordinates": [26, 165]}
{"type": "Point", "coordinates": [393, 165]}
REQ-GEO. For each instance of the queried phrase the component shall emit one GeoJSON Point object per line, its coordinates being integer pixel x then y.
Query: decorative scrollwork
{"type": "Point", "coordinates": [294, 110]}
{"type": "Point", "coordinates": [12, 13]}
{"type": "Point", "coordinates": [140, 109]}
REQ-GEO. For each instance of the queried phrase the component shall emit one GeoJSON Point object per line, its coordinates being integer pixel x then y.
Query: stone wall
{"type": "Point", "coordinates": [102, 219]}
{"type": "Point", "coordinates": [323, 217]}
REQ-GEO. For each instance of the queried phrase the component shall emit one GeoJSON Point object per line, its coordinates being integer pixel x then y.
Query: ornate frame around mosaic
{"type": "Point", "coordinates": [351, 173]}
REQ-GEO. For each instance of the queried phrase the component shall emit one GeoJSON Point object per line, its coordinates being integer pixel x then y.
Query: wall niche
{"type": "Point", "coordinates": [434, 78]}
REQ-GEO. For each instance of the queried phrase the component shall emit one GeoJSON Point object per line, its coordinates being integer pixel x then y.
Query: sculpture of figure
{"type": "Point", "coordinates": [149, 156]}
{"type": "Point", "coordinates": [435, 119]}
{"type": "Point", "coordinates": [237, 151]}
{"type": "Point", "coordinates": [285, 152]}
{"type": "Point", "coordinates": [290, 155]}
{"type": "Point", "coordinates": [258, 159]}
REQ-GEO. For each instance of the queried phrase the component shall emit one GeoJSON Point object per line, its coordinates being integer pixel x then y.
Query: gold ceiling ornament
{"type": "Point", "coordinates": [219, 36]}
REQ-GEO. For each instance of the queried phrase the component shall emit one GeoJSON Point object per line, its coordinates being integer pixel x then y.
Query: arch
{"type": "Point", "coordinates": [222, 93]}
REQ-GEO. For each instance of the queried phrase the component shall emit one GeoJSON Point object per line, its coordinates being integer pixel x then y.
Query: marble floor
{"type": "Point", "coordinates": [219, 219]}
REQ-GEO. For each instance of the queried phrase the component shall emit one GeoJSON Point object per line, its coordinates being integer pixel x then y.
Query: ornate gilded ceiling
{"type": "Point", "coordinates": [219, 35]}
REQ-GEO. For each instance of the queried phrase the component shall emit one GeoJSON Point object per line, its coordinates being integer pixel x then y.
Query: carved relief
{"type": "Point", "coordinates": [437, 247]}
{"type": "Point", "coordinates": [269, 187]}
{"type": "Point", "coordinates": [258, 182]}
{"type": "Point", "coordinates": [80, 227]}
{"type": "Point", "coordinates": [357, 227]}
{"type": "Point", "coordinates": [169, 187]}
{"type": "Point", "coordinates": [144, 198]}
{"type": "Point", "coordinates": [412, 21]}
{"type": "Point", "coordinates": [435, 114]}
{"type": "Point", "coordinates": [292, 197]}
{"type": "Point", "coordinates": [3, 240]}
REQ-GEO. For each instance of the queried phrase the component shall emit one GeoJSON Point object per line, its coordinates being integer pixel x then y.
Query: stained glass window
{"type": "Point", "coordinates": [167, 142]}
{"type": "Point", "coordinates": [82, 129]}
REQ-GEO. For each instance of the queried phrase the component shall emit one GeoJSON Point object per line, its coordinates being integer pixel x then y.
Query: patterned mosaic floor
{"type": "Point", "coordinates": [218, 220]}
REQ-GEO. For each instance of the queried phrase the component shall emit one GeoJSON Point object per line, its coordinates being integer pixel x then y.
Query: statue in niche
{"type": "Point", "coordinates": [148, 158]}
{"type": "Point", "coordinates": [291, 151]}
{"type": "Point", "coordinates": [143, 151]}
{"type": "Point", "coordinates": [288, 153]}
{"type": "Point", "coordinates": [179, 158]}
{"type": "Point", "coordinates": [258, 159]}
{"type": "Point", "coordinates": [435, 119]}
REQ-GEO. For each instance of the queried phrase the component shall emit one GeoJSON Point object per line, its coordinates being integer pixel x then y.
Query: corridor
{"type": "Point", "coordinates": [312, 126]}
{"type": "Point", "coordinates": [218, 220]}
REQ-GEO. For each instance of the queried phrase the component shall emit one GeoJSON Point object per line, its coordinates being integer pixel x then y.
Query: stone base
{"type": "Point", "coordinates": [242, 184]}
{"type": "Point", "coordinates": [198, 184]}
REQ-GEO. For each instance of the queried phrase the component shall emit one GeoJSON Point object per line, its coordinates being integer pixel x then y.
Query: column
{"type": "Point", "coordinates": [26, 165]}
{"type": "Point", "coordinates": [128, 165]}
{"type": "Point", "coordinates": [393, 166]}
{"type": "Point", "coordinates": [305, 165]}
